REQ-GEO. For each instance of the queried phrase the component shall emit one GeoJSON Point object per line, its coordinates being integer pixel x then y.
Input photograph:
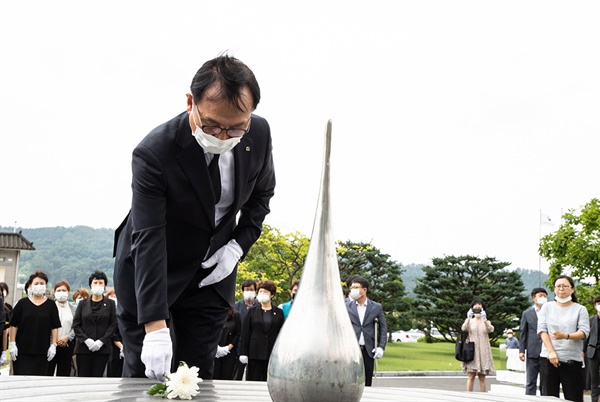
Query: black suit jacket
{"type": "Point", "coordinates": [103, 328]}
{"type": "Point", "coordinates": [162, 242]}
{"type": "Point", "coordinates": [257, 342]}
{"type": "Point", "coordinates": [529, 339]}
{"type": "Point", "coordinates": [374, 310]}
{"type": "Point", "coordinates": [592, 341]}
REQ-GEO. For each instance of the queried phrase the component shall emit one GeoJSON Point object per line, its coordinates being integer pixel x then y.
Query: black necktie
{"type": "Point", "coordinates": [215, 177]}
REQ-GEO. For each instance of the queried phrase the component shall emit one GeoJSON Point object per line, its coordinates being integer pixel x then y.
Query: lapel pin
{"type": "Point", "coordinates": [247, 149]}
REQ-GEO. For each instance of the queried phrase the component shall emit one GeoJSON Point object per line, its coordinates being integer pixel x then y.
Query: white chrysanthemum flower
{"type": "Point", "coordinates": [183, 383]}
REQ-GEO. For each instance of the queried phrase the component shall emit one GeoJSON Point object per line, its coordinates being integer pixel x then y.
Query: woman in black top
{"type": "Point", "coordinates": [226, 357]}
{"type": "Point", "coordinates": [7, 309]}
{"type": "Point", "coordinates": [94, 324]}
{"type": "Point", "coordinates": [34, 330]}
{"type": "Point", "coordinates": [261, 327]}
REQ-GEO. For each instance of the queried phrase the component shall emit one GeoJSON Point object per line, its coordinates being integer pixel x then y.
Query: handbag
{"type": "Point", "coordinates": [464, 350]}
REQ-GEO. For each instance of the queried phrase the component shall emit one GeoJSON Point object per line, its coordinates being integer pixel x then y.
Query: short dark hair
{"type": "Point", "coordinates": [294, 284]}
{"type": "Point", "coordinates": [478, 301]}
{"type": "Point", "coordinates": [231, 76]}
{"type": "Point", "coordinates": [98, 275]}
{"type": "Point", "coordinates": [62, 283]}
{"type": "Point", "coordinates": [596, 300]}
{"type": "Point", "coordinates": [535, 291]}
{"type": "Point", "coordinates": [349, 280]}
{"type": "Point", "coordinates": [267, 285]}
{"type": "Point", "coordinates": [247, 283]}
{"type": "Point", "coordinates": [38, 274]}
{"type": "Point", "coordinates": [4, 286]}
{"type": "Point", "coordinates": [361, 281]}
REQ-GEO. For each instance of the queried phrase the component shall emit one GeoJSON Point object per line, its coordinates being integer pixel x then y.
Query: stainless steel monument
{"type": "Point", "coordinates": [316, 356]}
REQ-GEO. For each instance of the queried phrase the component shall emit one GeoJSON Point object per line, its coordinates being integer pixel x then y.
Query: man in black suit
{"type": "Point", "coordinates": [592, 354]}
{"type": "Point", "coordinates": [530, 340]}
{"type": "Point", "coordinates": [201, 187]}
{"type": "Point", "coordinates": [365, 314]}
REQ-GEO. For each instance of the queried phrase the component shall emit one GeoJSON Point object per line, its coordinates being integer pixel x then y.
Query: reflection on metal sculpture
{"type": "Point", "coordinates": [316, 356]}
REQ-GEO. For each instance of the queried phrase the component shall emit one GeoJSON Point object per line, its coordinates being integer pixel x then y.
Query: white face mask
{"type": "Point", "coordinates": [39, 290]}
{"type": "Point", "coordinates": [509, 336]}
{"type": "Point", "coordinates": [598, 307]}
{"type": "Point", "coordinates": [77, 302]}
{"type": "Point", "coordinates": [29, 292]}
{"type": "Point", "coordinates": [97, 290]}
{"type": "Point", "coordinates": [541, 301]}
{"type": "Point", "coordinates": [354, 294]}
{"type": "Point", "coordinates": [212, 144]}
{"type": "Point", "coordinates": [562, 299]}
{"type": "Point", "coordinates": [249, 295]}
{"type": "Point", "coordinates": [263, 298]}
{"type": "Point", "coordinates": [61, 296]}
{"type": "Point", "coordinates": [4, 294]}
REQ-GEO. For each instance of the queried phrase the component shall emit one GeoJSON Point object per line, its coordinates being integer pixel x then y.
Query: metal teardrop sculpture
{"type": "Point", "coordinates": [316, 356]}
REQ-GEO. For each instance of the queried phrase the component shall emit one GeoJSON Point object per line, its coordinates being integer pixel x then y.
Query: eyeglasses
{"type": "Point", "coordinates": [562, 286]}
{"type": "Point", "coordinates": [216, 130]}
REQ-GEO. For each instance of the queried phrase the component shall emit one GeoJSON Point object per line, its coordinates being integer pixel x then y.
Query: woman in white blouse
{"type": "Point", "coordinates": [66, 335]}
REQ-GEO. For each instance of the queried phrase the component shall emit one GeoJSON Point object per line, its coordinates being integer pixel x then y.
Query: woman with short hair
{"type": "Point", "coordinates": [66, 334]}
{"type": "Point", "coordinates": [34, 329]}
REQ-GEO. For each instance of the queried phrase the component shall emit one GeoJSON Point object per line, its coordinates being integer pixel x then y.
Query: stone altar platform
{"type": "Point", "coordinates": [30, 388]}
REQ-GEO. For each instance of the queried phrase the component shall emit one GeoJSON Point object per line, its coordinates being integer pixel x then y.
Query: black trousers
{"type": "Point", "coordinates": [369, 365]}
{"type": "Point", "coordinates": [225, 367]}
{"type": "Point", "coordinates": [62, 361]}
{"type": "Point", "coordinates": [197, 319]}
{"type": "Point", "coordinates": [593, 365]}
{"type": "Point", "coordinates": [91, 364]}
{"type": "Point", "coordinates": [567, 374]}
{"type": "Point", "coordinates": [31, 365]}
{"type": "Point", "coordinates": [257, 370]}
{"type": "Point", "coordinates": [239, 370]}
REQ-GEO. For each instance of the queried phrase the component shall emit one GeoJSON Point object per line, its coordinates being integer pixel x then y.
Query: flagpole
{"type": "Point", "coordinates": [539, 256]}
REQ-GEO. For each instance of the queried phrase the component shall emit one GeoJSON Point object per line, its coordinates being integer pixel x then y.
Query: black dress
{"type": "Point", "coordinates": [34, 333]}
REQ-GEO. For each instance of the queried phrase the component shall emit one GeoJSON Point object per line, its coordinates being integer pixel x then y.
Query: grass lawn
{"type": "Point", "coordinates": [420, 356]}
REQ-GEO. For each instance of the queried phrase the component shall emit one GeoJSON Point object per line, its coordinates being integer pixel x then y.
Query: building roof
{"type": "Point", "coordinates": [15, 241]}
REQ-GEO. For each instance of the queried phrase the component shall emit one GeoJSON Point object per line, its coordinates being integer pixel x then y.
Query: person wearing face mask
{"type": "Point", "coordinates": [201, 188]}
{"type": "Point", "coordinates": [94, 324]}
{"type": "Point", "coordinates": [227, 356]}
{"type": "Point", "coordinates": [513, 362]}
{"type": "Point", "coordinates": [34, 330]}
{"type": "Point", "coordinates": [591, 347]}
{"type": "Point", "coordinates": [242, 306]}
{"type": "Point", "coordinates": [365, 314]}
{"type": "Point", "coordinates": [7, 308]}
{"type": "Point", "coordinates": [479, 328]}
{"type": "Point", "coordinates": [563, 326]}
{"type": "Point", "coordinates": [66, 336]}
{"type": "Point", "coordinates": [286, 307]}
{"type": "Point", "coordinates": [530, 344]}
{"type": "Point", "coordinates": [260, 330]}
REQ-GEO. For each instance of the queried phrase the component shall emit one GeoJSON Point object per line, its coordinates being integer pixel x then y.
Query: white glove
{"type": "Point", "coordinates": [96, 345]}
{"type": "Point", "coordinates": [121, 355]}
{"type": "Point", "coordinates": [51, 352]}
{"type": "Point", "coordinates": [225, 258]}
{"type": "Point", "coordinates": [222, 351]}
{"type": "Point", "coordinates": [470, 314]}
{"type": "Point", "coordinates": [377, 353]}
{"type": "Point", "coordinates": [483, 315]}
{"type": "Point", "coordinates": [14, 351]}
{"type": "Point", "coordinates": [244, 359]}
{"type": "Point", "coordinates": [3, 358]}
{"type": "Point", "coordinates": [89, 342]}
{"type": "Point", "coordinates": [157, 351]}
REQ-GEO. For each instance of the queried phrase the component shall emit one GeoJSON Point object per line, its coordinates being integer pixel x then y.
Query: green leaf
{"type": "Point", "coordinates": [158, 389]}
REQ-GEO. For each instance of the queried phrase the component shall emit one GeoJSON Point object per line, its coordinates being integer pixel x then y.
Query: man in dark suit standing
{"type": "Point", "coordinates": [365, 314]}
{"type": "Point", "coordinates": [530, 340]}
{"type": "Point", "coordinates": [592, 354]}
{"type": "Point", "coordinates": [201, 188]}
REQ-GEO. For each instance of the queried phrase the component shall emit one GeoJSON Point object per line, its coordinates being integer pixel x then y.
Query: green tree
{"type": "Point", "coordinates": [448, 287]}
{"type": "Point", "coordinates": [575, 248]}
{"type": "Point", "coordinates": [384, 276]}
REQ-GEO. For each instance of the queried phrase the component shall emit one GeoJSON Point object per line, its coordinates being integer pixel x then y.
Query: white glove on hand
{"type": "Point", "coordinates": [97, 346]}
{"type": "Point", "coordinates": [14, 351]}
{"type": "Point", "coordinates": [3, 358]}
{"type": "Point", "coordinates": [121, 354]}
{"type": "Point", "coordinates": [470, 314]}
{"type": "Point", "coordinates": [222, 351]}
{"type": "Point", "coordinates": [157, 351]}
{"type": "Point", "coordinates": [89, 342]}
{"type": "Point", "coordinates": [244, 359]}
{"type": "Point", "coordinates": [377, 353]}
{"type": "Point", "coordinates": [483, 315]}
{"type": "Point", "coordinates": [51, 352]}
{"type": "Point", "coordinates": [225, 258]}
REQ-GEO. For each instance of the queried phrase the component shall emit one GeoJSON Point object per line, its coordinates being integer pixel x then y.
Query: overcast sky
{"type": "Point", "coordinates": [454, 122]}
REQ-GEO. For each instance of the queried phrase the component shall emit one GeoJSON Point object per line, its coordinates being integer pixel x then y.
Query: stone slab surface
{"type": "Point", "coordinates": [31, 388]}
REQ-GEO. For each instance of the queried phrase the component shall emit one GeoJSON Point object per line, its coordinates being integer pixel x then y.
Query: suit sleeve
{"type": "Point", "coordinates": [112, 324]}
{"type": "Point", "coordinates": [237, 330]}
{"type": "Point", "coordinates": [256, 208]}
{"type": "Point", "coordinates": [246, 333]}
{"type": "Point", "coordinates": [523, 329]}
{"type": "Point", "coordinates": [149, 244]}
{"type": "Point", "coordinates": [77, 324]}
{"type": "Point", "coordinates": [382, 328]}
